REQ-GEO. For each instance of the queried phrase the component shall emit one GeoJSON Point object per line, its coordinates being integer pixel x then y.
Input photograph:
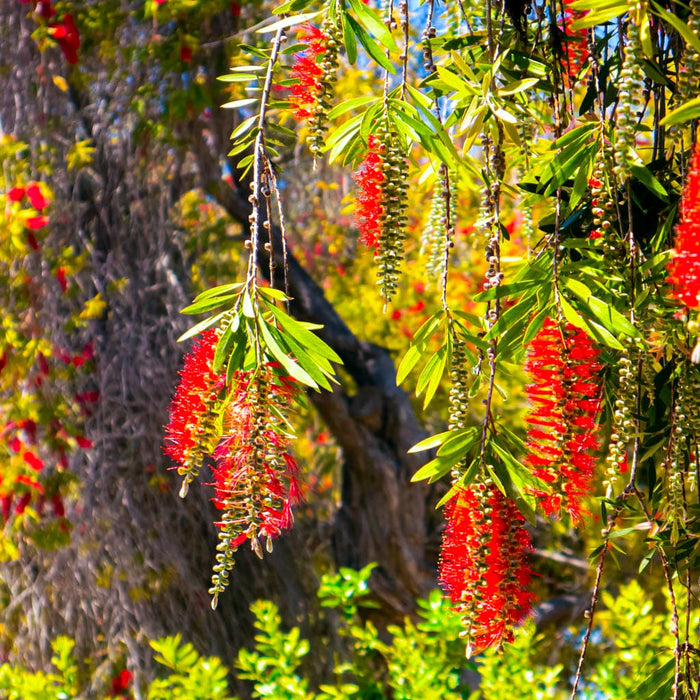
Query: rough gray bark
{"type": "Point", "coordinates": [139, 562]}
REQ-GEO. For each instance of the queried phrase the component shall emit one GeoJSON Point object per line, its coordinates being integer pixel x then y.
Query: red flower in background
{"type": "Point", "coordinates": [34, 223]}
{"type": "Point", "coordinates": [36, 198]}
{"type": "Point", "coordinates": [483, 564]}
{"type": "Point", "coordinates": [575, 42]}
{"type": "Point", "coordinates": [368, 205]}
{"type": "Point", "coordinates": [307, 71]}
{"type": "Point", "coordinates": [66, 35]}
{"type": "Point", "coordinates": [16, 194]}
{"type": "Point", "coordinates": [684, 268]}
{"type": "Point", "coordinates": [563, 432]}
{"type": "Point", "coordinates": [121, 682]}
{"type": "Point", "coordinates": [185, 53]}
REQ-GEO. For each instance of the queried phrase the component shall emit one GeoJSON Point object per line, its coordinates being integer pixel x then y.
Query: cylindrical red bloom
{"type": "Point", "coordinates": [186, 438]}
{"type": "Point", "coordinates": [684, 268]}
{"type": "Point", "coordinates": [563, 432]}
{"type": "Point", "coordinates": [368, 205]}
{"type": "Point", "coordinates": [308, 72]}
{"type": "Point", "coordinates": [66, 35]}
{"type": "Point", "coordinates": [483, 564]}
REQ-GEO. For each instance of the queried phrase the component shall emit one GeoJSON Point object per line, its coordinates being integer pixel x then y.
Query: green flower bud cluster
{"type": "Point", "coordinates": [630, 103]}
{"type": "Point", "coordinates": [459, 390]}
{"type": "Point", "coordinates": [603, 210]}
{"type": "Point", "coordinates": [318, 123]}
{"type": "Point", "coordinates": [393, 233]}
{"type": "Point", "coordinates": [433, 236]}
{"type": "Point", "coordinates": [624, 418]}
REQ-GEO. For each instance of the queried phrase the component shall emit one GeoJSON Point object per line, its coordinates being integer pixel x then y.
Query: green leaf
{"type": "Point", "coordinates": [646, 177]}
{"type": "Point", "coordinates": [305, 337]}
{"type": "Point", "coordinates": [689, 36]}
{"type": "Point", "coordinates": [658, 685]}
{"type": "Point", "coordinates": [288, 22]}
{"type": "Point", "coordinates": [347, 105]}
{"type": "Point", "coordinates": [349, 40]}
{"type": "Point", "coordinates": [245, 102]}
{"type": "Point", "coordinates": [437, 468]}
{"type": "Point", "coordinates": [373, 24]}
{"type": "Point", "coordinates": [225, 344]}
{"type": "Point", "coordinates": [294, 369]}
{"type": "Point", "coordinates": [201, 326]}
{"type": "Point", "coordinates": [431, 375]}
{"type": "Point", "coordinates": [431, 442]}
{"type": "Point", "coordinates": [370, 46]}
{"type": "Point", "coordinates": [685, 113]}
{"type": "Point", "coordinates": [204, 305]}
{"type": "Point", "coordinates": [461, 441]}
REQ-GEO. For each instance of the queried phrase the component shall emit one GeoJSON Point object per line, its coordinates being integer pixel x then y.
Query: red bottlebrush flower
{"type": "Point", "coordinates": [684, 268]}
{"type": "Point", "coordinates": [23, 503]}
{"type": "Point", "coordinates": [61, 277]}
{"type": "Point", "coordinates": [59, 509]}
{"type": "Point", "coordinates": [235, 9]}
{"type": "Point", "coordinates": [483, 564]}
{"type": "Point", "coordinates": [575, 42]}
{"type": "Point", "coordinates": [16, 194]}
{"type": "Point", "coordinates": [368, 205]}
{"type": "Point", "coordinates": [83, 442]}
{"type": "Point", "coordinates": [6, 501]}
{"type": "Point", "coordinates": [563, 432]}
{"type": "Point", "coordinates": [198, 388]}
{"type": "Point", "coordinates": [32, 483]}
{"type": "Point", "coordinates": [307, 71]}
{"type": "Point", "coordinates": [121, 682]}
{"type": "Point", "coordinates": [43, 364]}
{"type": "Point", "coordinates": [66, 35]}
{"type": "Point", "coordinates": [33, 461]}
{"type": "Point", "coordinates": [36, 198]}
{"type": "Point", "coordinates": [256, 479]}
{"type": "Point", "coordinates": [15, 445]}
{"type": "Point", "coordinates": [185, 53]}
{"type": "Point", "coordinates": [34, 223]}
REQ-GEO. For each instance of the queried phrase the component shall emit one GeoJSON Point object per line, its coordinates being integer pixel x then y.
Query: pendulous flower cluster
{"type": "Point", "coordinates": [368, 204]}
{"type": "Point", "coordinates": [684, 268]}
{"type": "Point", "coordinates": [483, 564]}
{"type": "Point", "coordinates": [563, 420]}
{"type": "Point", "coordinates": [255, 477]}
{"type": "Point", "coordinates": [315, 72]}
{"type": "Point", "coordinates": [380, 207]}
{"type": "Point", "coordinates": [190, 435]}
{"type": "Point", "coordinates": [243, 429]}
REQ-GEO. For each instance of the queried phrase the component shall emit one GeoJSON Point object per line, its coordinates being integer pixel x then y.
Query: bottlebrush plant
{"type": "Point", "coordinates": [555, 312]}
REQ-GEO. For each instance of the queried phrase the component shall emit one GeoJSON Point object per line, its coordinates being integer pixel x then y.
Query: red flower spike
{"type": "Point", "coordinates": [576, 42]}
{"type": "Point", "coordinates": [185, 53]}
{"type": "Point", "coordinates": [33, 461]}
{"type": "Point", "coordinates": [34, 223]}
{"type": "Point", "coordinates": [66, 35]}
{"type": "Point", "coordinates": [368, 205]}
{"type": "Point", "coordinates": [483, 564]}
{"type": "Point", "coordinates": [36, 198]}
{"type": "Point", "coordinates": [684, 268]}
{"type": "Point", "coordinates": [16, 194]}
{"type": "Point", "coordinates": [192, 402]}
{"type": "Point", "coordinates": [563, 420]}
{"type": "Point", "coordinates": [307, 71]}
